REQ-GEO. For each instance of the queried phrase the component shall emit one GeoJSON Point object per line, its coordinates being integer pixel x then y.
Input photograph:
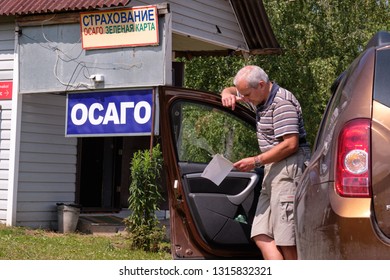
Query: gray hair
{"type": "Point", "coordinates": [252, 74]}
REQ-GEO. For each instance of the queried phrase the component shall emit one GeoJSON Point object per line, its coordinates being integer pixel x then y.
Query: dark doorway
{"type": "Point", "coordinates": [104, 171]}
{"type": "Point", "coordinates": [100, 160]}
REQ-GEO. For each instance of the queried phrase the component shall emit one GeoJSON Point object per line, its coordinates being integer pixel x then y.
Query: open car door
{"type": "Point", "coordinates": [208, 221]}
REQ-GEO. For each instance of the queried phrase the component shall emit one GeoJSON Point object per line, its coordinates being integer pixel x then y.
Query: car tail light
{"type": "Point", "coordinates": [353, 171]}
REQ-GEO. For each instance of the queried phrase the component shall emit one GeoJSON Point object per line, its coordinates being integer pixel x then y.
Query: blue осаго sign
{"type": "Point", "coordinates": [109, 113]}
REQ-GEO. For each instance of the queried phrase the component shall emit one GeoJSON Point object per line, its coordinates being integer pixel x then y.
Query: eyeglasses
{"type": "Point", "coordinates": [247, 92]}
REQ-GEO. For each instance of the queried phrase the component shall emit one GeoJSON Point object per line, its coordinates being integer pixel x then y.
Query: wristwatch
{"type": "Point", "coordinates": [258, 162]}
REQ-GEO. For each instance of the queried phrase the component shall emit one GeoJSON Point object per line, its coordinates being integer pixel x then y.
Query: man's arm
{"type": "Point", "coordinates": [229, 97]}
{"type": "Point", "coordinates": [287, 147]}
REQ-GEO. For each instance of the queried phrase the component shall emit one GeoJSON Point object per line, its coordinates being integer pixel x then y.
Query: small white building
{"type": "Point", "coordinates": [47, 53]}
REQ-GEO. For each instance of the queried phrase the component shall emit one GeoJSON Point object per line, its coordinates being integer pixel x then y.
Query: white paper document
{"type": "Point", "coordinates": [218, 168]}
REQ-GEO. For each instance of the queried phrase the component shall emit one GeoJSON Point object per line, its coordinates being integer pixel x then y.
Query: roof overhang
{"type": "Point", "coordinates": [250, 14]}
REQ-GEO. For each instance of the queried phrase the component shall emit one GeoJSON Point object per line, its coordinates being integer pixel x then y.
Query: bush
{"type": "Point", "coordinates": [145, 196]}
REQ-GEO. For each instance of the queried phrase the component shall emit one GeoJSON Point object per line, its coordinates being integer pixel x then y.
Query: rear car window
{"type": "Point", "coordinates": [381, 79]}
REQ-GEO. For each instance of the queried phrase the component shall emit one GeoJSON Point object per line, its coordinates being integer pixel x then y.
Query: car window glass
{"type": "Point", "coordinates": [332, 112]}
{"type": "Point", "coordinates": [201, 131]}
{"type": "Point", "coordinates": [381, 84]}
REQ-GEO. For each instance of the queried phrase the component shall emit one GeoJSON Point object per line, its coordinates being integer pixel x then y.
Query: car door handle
{"type": "Point", "coordinates": [239, 198]}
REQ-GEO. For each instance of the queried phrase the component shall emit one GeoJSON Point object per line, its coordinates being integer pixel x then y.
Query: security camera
{"type": "Point", "coordinates": [97, 78]}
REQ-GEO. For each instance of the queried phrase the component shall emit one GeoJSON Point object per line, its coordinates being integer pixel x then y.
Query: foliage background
{"type": "Point", "coordinates": [205, 132]}
{"type": "Point", "coordinates": [319, 40]}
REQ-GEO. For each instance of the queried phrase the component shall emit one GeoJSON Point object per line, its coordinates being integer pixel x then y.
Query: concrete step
{"type": "Point", "coordinates": [102, 224]}
{"type": "Point", "coordinates": [106, 224]}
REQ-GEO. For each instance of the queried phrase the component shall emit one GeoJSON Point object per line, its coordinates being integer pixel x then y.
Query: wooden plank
{"type": "Point", "coordinates": [48, 129]}
{"type": "Point", "coordinates": [37, 217]}
{"type": "Point", "coordinates": [8, 45]}
{"type": "Point", "coordinates": [42, 138]}
{"type": "Point", "coordinates": [5, 114]}
{"type": "Point", "coordinates": [41, 148]}
{"type": "Point", "coordinates": [7, 33]}
{"type": "Point", "coordinates": [48, 158]}
{"type": "Point", "coordinates": [5, 129]}
{"type": "Point", "coordinates": [47, 187]}
{"type": "Point", "coordinates": [44, 109]}
{"type": "Point", "coordinates": [44, 167]}
{"type": "Point", "coordinates": [6, 75]}
{"type": "Point", "coordinates": [6, 65]}
{"type": "Point", "coordinates": [5, 124]}
{"type": "Point", "coordinates": [37, 207]}
{"type": "Point", "coordinates": [3, 205]}
{"type": "Point", "coordinates": [3, 185]}
{"type": "Point", "coordinates": [45, 197]}
{"type": "Point", "coordinates": [10, 26]}
{"type": "Point", "coordinates": [4, 165]}
{"type": "Point", "coordinates": [5, 105]}
{"type": "Point", "coordinates": [5, 144]}
{"type": "Point", "coordinates": [208, 11]}
{"type": "Point", "coordinates": [4, 154]}
{"type": "Point", "coordinates": [4, 134]}
{"type": "Point", "coordinates": [49, 177]}
{"type": "Point", "coordinates": [3, 194]}
{"type": "Point", "coordinates": [48, 99]}
{"type": "Point", "coordinates": [41, 118]}
{"type": "Point", "coordinates": [189, 25]}
{"type": "Point", "coordinates": [4, 174]}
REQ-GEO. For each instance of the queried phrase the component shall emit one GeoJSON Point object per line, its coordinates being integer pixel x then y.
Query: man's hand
{"type": "Point", "coordinates": [229, 97]}
{"type": "Point", "coordinates": [245, 165]}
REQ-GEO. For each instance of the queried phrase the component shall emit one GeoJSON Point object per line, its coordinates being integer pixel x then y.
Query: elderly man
{"type": "Point", "coordinates": [282, 141]}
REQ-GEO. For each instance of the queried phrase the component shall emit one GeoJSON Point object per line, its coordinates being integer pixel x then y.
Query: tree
{"type": "Point", "coordinates": [320, 38]}
{"type": "Point", "coordinates": [145, 196]}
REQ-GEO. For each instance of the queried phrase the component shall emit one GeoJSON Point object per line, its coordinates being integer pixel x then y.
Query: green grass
{"type": "Point", "coordinates": [18, 243]}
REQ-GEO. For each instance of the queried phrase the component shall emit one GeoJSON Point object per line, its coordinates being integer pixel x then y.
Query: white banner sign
{"type": "Point", "coordinates": [137, 26]}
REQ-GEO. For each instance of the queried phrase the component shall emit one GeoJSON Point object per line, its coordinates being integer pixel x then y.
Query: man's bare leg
{"type": "Point", "coordinates": [289, 252]}
{"type": "Point", "coordinates": [268, 247]}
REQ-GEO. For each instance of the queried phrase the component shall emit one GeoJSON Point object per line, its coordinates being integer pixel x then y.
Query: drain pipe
{"type": "Point", "coordinates": [16, 116]}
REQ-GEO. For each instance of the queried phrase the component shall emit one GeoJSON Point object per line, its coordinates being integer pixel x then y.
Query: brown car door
{"type": "Point", "coordinates": [208, 220]}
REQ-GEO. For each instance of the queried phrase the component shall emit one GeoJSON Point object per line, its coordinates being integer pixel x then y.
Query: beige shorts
{"type": "Point", "coordinates": [274, 214]}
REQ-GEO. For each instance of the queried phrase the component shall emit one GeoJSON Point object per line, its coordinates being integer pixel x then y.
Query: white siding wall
{"type": "Point", "coordinates": [5, 125]}
{"type": "Point", "coordinates": [6, 72]}
{"type": "Point", "coordinates": [47, 171]}
{"type": "Point", "coordinates": [199, 18]}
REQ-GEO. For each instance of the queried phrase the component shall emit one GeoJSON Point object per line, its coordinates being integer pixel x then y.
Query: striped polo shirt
{"type": "Point", "coordinates": [280, 115]}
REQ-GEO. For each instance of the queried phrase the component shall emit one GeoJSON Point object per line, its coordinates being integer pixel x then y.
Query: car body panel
{"type": "Point", "coordinates": [205, 218]}
{"type": "Point", "coordinates": [381, 166]}
{"type": "Point", "coordinates": [330, 226]}
{"type": "Point", "coordinates": [380, 140]}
